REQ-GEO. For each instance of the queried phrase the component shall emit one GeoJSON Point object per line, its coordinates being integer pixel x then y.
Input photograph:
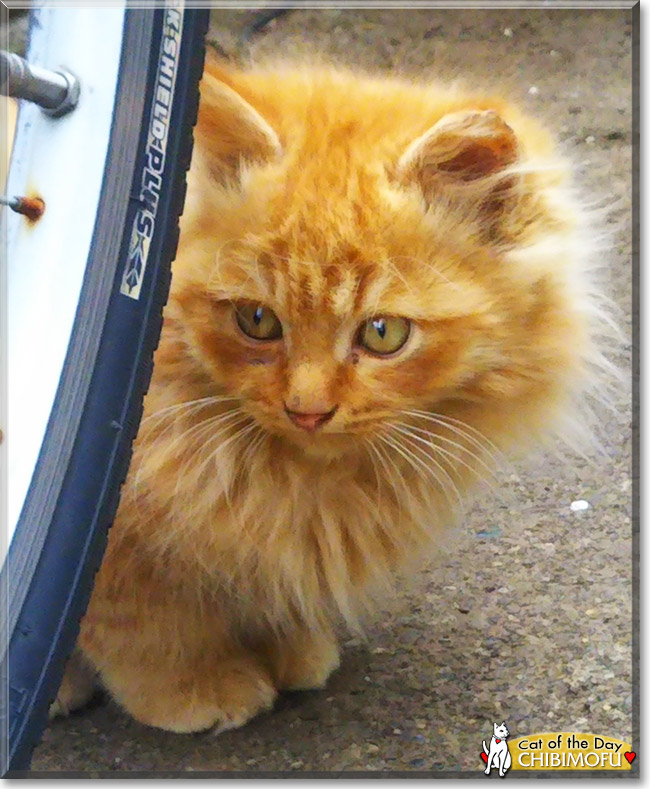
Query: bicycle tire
{"type": "Point", "coordinates": [61, 534]}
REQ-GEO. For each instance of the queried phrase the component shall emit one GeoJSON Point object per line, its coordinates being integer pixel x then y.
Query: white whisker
{"type": "Point", "coordinates": [213, 452]}
{"type": "Point", "coordinates": [236, 418]}
{"type": "Point", "coordinates": [370, 445]}
{"type": "Point", "coordinates": [412, 459]}
{"type": "Point", "coordinates": [437, 437]}
{"type": "Point", "coordinates": [454, 459]}
{"type": "Point", "coordinates": [199, 428]}
{"type": "Point", "coordinates": [437, 464]}
{"type": "Point", "coordinates": [191, 405]}
{"type": "Point", "coordinates": [254, 445]}
{"type": "Point", "coordinates": [465, 430]}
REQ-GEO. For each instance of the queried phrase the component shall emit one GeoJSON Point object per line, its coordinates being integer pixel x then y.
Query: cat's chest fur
{"type": "Point", "coordinates": [283, 531]}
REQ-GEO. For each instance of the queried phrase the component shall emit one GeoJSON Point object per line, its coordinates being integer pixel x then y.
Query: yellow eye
{"type": "Point", "coordinates": [383, 334]}
{"type": "Point", "coordinates": [258, 322]}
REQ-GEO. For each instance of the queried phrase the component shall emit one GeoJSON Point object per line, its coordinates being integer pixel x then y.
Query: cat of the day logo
{"type": "Point", "coordinates": [555, 751]}
{"type": "Point", "coordinates": [497, 754]}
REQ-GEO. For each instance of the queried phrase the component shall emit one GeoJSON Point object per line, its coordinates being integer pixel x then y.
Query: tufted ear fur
{"type": "Point", "coordinates": [231, 130]}
{"type": "Point", "coordinates": [462, 150]}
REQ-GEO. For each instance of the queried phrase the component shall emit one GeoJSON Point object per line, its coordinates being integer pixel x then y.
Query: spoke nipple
{"type": "Point", "coordinates": [31, 207]}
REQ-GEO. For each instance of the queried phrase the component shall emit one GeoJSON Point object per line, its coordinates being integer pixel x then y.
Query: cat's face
{"type": "Point", "coordinates": [501, 731]}
{"type": "Point", "coordinates": [344, 279]}
{"type": "Point", "coordinates": [321, 350]}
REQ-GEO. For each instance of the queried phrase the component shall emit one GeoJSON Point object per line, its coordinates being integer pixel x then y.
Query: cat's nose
{"type": "Point", "coordinates": [310, 422]}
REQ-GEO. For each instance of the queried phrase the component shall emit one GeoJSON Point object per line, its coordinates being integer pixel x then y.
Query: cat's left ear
{"type": "Point", "coordinates": [462, 149]}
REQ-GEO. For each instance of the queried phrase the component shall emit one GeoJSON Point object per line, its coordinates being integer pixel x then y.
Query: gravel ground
{"type": "Point", "coordinates": [527, 616]}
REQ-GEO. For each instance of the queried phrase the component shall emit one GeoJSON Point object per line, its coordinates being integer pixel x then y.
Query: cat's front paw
{"type": "Point", "coordinates": [306, 664]}
{"type": "Point", "coordinates": [244, 702]}
{"type": "Point", "coordinates": [225, 698]}
{"type": "Point", "coordinates": [76, 689]}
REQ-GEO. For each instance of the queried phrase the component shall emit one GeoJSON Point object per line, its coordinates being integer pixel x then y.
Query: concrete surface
{"type": "Point", "coordinates": [527, 617]}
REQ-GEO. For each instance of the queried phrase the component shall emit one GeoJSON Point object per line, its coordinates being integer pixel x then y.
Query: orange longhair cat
{"type": "Point", "coordinates": [379, 285]}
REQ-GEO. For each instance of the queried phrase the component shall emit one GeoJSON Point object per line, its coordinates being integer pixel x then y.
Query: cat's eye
{"type": "Point", "coordinates": [384, 334]}
{"type": "Point", "coordinates": [258, 322]}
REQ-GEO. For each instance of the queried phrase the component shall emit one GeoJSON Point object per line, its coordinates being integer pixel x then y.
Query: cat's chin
{"type": "Point", "coordinates": [321, 446]}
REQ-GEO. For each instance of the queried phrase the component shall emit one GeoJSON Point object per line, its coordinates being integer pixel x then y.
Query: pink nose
{"type": "Point", "coordinates": [310, 421]}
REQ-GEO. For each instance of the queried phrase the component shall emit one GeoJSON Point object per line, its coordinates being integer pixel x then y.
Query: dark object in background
{"type": "Point", "coordinates": [261, 20]}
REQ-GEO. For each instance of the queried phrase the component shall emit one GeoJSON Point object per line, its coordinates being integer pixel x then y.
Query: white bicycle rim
{"type": "Point", "coordinates": [62, 161]}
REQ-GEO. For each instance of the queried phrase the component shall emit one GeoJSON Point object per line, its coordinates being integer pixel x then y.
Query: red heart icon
{"type": "Point", "coordinates": [484, 757]}
{"type": "Point", "coordinates": [630, 756]}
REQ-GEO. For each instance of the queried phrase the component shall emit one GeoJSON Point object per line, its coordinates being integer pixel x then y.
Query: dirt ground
{"type": "Point", "coordinates": [527, 616]}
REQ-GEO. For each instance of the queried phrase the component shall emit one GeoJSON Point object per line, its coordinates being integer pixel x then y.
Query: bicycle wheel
{"type": "Point", "coordinates": [65, 485]}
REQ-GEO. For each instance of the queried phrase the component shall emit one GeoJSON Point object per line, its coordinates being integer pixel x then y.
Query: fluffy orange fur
{"type": "Point", "coordinates": [330, 198]}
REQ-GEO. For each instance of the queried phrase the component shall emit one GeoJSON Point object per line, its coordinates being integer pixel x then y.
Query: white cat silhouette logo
{"type": "Point", "coordinates": [498, 754]}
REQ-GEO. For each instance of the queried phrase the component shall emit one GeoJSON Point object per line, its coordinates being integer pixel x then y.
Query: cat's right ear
{"type": "Point", "coordinates": [231, 131]}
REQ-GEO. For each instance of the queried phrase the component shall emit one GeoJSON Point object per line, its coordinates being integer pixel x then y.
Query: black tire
{"type": "Point", "coordinates": [61, 534]}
